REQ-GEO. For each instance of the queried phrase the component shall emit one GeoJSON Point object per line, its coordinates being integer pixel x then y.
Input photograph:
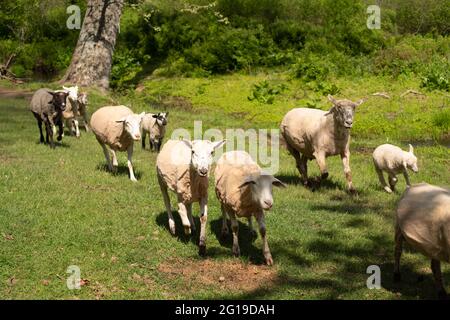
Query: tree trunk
{"type": "Point", "coordinates": [92, 58]}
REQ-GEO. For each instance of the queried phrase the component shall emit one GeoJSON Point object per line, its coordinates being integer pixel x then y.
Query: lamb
{"type": "Point", "coordinates": [155, 126]}
{"type": "Point", "coordinates": [311, 133]}
{"type": "Point", "coordinates": [423, 220]}
{"type": "Point", "coordinates": [117, 127]}
{"type": "Point", "coordinates": [47, 106]}
{"type": "Point", "coordinates": [183, 166]}
{"type": "Point", "coordinates": [75, 108]}
{"type": "Point", "coordinates": [244, 190]}
{"type": "Point", "coordinates": [394, 160]}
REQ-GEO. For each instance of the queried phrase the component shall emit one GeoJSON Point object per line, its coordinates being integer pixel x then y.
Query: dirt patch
{"type": "Point", "coordinates": [10, 93]}
{"type": "Point", "coordinates": [228, 275]}
{"type": "Point", "coordinates": [174, 102]}
{"type": "Point", "coordinates": [363, 149]}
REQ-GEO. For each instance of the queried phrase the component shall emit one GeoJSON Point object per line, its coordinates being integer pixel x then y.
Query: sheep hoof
{"type": "Point", "coordinates": [59, 138]}
{"type": "Point", "coordinates": [353, 191]}
{"type": "Point", "coordinates": [269, 260]}
{"type": "Point", "coordinates": [254, 234]}
{"type": "Point", "coordinates": [397, 277]}
{"type": "Point", "coordinates": [387, 189]}
{"type": "Point", "coordinates": [324, 175]}
{"type": "Point", "coordinates": [202, 250]}
{"type": "Point", "coordinates": [187, 230]}
{"type": "Point", "coordinates": [172, 227]}
{"type": "Point", "coordinates": [133, 179]}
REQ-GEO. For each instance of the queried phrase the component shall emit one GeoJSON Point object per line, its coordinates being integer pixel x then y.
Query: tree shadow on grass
{"type": "Point", "coordinates": [122, 170]}
{"type": "Point", "coordinates": [314, 183]}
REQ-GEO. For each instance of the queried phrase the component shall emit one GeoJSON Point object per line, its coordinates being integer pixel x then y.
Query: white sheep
{"type": "Point", "coordinates": [423, 220]}
{"type": "Point", "coordinates": [183, 166]}
{"type": "Point", "coordinates": [155, 126]}
{"type": "Point", "coordinates": [244, 190]}
{"type": "Point", "coordinates": [316, 134]}
{"type": "Point", "coordinates": [118, 127]}
{"type": "Point", "coordinates": [75, 109]}
{"type": "Point", "coordinates": [393, 160]}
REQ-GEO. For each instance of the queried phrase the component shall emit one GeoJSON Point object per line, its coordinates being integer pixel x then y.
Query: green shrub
{"type": "Point", "coordinates": [437, 76]}
{"type": "Point", "coordinates": [264, 92]}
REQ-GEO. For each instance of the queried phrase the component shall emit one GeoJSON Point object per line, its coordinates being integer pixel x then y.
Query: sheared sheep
{"type": "Point", "coordinates": [423, 220]}
{"type": "Point", "coordinates": [393, 160]}
{"type": "Point", "coordinates": [244, 190]}
{"type": "Point", "coordinates": [183, 166]}
{"type": "Point", "coordinates": [155, 126]}
{"type": "Point", "coordinates": [118, 127]}
{"type": "Point", "coordinates": [316, 134]}
{"type": "Point", "coordinates": [47, 106]}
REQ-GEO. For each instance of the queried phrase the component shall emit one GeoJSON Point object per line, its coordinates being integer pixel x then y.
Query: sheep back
{"type": "Point", "coordinates": [388, 157]}
{"type": "Point", "coordinates": [41, 103]}
{"type": "Point", "coordinates": [423, 215]}
{"type": "Point", "coordinates": [231, 171]}
{"type": "Point", "coordinates": [173, 167]}
{"type": "Point", "coordinates": [107, 130]}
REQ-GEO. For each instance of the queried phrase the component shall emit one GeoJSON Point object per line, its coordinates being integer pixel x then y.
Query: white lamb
{"type": "Point", "coordinates": [155, 126]}
{"type": "Point", "coordinates": [118, 127]}
{"type": "Point", "coordinates": [423, 221]}
{"type": "Point", "coordinates": [244, 190]}
{"type": "Point", "coordinates": [183, 166]}
{"type": "Point", "coordinates": [393, 160]}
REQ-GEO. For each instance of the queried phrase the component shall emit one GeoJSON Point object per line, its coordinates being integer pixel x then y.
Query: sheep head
{"type": "Point", "coordinates": [261, 188]}
{"type": "Point", "coordinates": [161, 118]}
{"type": "Point", "coordinates": [132, 125]}
{"type": "Point", "coordinates": [202, 154]}
{"type": "Point", "coordinates": [344, 111]}
{"type": "Point", "coordinates": [410, 160]}
{"type": "Point", "coordinates": [59, 100]}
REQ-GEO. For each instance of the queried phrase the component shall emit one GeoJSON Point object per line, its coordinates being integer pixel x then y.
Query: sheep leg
{"type": "Point", "coordinates": [392, 181]}
{"type": "Point", "coordinates": [405, 174]}
{"type": "Point", "coordinates": [143, 134]}
{"type": "Point", "coordinates": [320, 158]}
{"type": "Point", "coordinates": [250, 226]}
{"type": "Point", "coordinates": [115, 163]}
{"type": "Point", "coordinates": [347, 171]}
{"type": "Point", "coordinates": [382, 180]}
{"type": "Point", "coordinates": [191, 218]}
{"type": "Point", "coordinates": [60, 130]}
{"type": "Point", "coordinates": [85, 120]}
{"type": "Point", "coordinates": [436, 268]}
{"type": "Point", "coordinates": [76, 127]}
{"type": "Point", "coordinates": [182, 211]}
{"type": "Point", "coordinates": [300, 162]}
{"type": "Point", "coordinates": [49, 134]}
{"type": "Point", "coordinates": [398, 253]}
{"type": "Point", "coordinates": [235, 230]}
{"type": "Point", "coordinates": [152, 145]}
{"type": "Point", "coordinates": [107, 157]}
{"type": "Point", "coordinates": [203, 220]}
{"type": "Point", "coordinates": [225, 230]}
{"type": "Point", "coordinates": [158, 146]}
{"type": "Point", "coordinates": [130, 165]}
{"type": "Point", "coordinates": [262, 231]}
{"type": "Point", "coordinates": [39, 123]}
{"type": "Point", "coordinates": [166, 199]}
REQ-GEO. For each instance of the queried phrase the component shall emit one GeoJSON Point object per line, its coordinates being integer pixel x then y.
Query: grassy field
{"type": "Point", "coordinates": [61, 207]}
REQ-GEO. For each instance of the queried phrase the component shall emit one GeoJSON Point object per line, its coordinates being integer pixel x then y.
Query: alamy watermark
{"type": "Point", "coordinates": [374, 18]}
{"type": "Point", "coordinates": [74, 280]}
{"type": "Point", "coordinates": [74, 20]}
{"type": "Point", "coordinates": [374, 280]}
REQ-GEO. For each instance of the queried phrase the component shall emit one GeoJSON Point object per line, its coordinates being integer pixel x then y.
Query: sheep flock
{"type": "Point", "coordinates": [243, 189]}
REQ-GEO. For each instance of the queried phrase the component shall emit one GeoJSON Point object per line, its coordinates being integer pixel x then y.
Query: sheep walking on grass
{"type": "Point", "coordinates": [423, 221]}
{"type": "Point", "coordinates": [76, 107]}
{"type": "Point", "coordinates": [47, 107]}
{"type": "Point", "coordinates": [316, 134]}
{"type": "Point", "coordinates": [245, 191]}
{"type": "Point", "coordinates": [155, 126]}
{"type": "Point", "coordinates": [393, 160]}
{"type": "Point", "coordinates": [183, 166]}
{"type": "Point", "coordinates": [117, 127]}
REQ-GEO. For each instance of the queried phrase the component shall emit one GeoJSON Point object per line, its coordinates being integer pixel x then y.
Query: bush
{"type": "Point", "coordinates": [437, 76]}
{"type": "Point", "coordinates": [266, 93]}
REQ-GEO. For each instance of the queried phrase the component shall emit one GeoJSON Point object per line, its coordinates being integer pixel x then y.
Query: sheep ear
{"type": "Point", "coordinates": [249, 180]}
{"type": "Point", "coordinates": [331, 110]}
{"type": "Point", "coordinates": [167, 113]}
{"type": "Point", "coordinates": [411, 149]}
{"type": "Point", "coordinates": [278, 183]}
{"type": "Point", "coordinates": [51, 92]}
{"type": "Point", "coordinates": [331, 99]}
{"type": "Point", "coordinates": [217, 144]}
{"type": "Point", "coordinates": [187, 143]}
{"type": "Point", "coordinates": [154, 116]}
{"type": "Point", "coordinates": [142, 114]}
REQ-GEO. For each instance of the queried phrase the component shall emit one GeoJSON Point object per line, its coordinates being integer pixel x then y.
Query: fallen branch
{"type": "Point", "coordinates": [381, 94]}
{"type": "Point", "coordinates": [410, 91]}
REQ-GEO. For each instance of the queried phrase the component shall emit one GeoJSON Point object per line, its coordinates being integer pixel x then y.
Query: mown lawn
{"type": "Point", "coordinates": [61, 207]}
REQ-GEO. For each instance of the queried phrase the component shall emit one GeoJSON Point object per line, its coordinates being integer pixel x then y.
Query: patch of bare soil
{"type": "Point", "coordinates": [10, 93]}
{"type": "Point", "coordinates": [228, 275]}
{"type": "Point", "coordinates": [176, 102]}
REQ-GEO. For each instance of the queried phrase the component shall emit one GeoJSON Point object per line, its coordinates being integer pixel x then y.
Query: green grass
{"type": "Point", "coordinates": [60, 207]}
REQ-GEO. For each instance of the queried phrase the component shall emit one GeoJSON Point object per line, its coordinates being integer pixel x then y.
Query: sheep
{"type": "Point", "coordinates": [393, 160]}
{"type": "Point", "coordinates": [118, 127]}
{"type": "Point", "coordinates": [155, 126]}
{"type": "Point", "coordinates": [183, 166]}
{"type": "Point", "coordinates": [423, 220]}
{"type": "Point", "coordinates": [311, 133]}
{"type": "Point", "coordinates": [47, 106]}
{"type": "Point", "coordinates": [244, 190]}
{"type": "Point", "coordinates": [75, 109]}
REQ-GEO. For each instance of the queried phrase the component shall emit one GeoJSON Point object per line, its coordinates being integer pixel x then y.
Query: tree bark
{"type": "Point", "coordinates": [92, 58]}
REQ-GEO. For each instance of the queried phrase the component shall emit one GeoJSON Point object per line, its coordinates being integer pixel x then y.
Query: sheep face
{"type": "Point", "coordinates": [73, 92]}
{"type": "Point", "coordinates": [344, 111]}
{"type": "Point", "coordinates": [202, 153]}
{"type": "Point", "coordinates": [132, 125]}
{"type": "Point", "coordinates": [161, 118]}
{"type": "Point", "coordinates": [411, 160]}
{"type": "Point", "coordinates": [261, 188]}
{"type": "Point", "coordinates": [59, 100]}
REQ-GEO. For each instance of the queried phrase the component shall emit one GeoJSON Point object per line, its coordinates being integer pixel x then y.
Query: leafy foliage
{"type": "Point", "coordinates": [264, 92]}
